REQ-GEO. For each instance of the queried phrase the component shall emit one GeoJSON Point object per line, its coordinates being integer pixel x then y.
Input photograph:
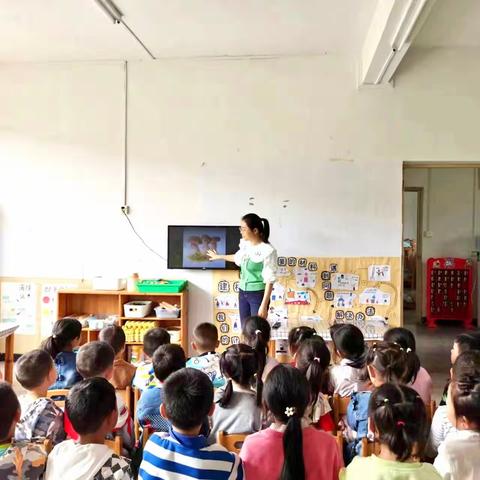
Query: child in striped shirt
{"type": "Point", "coordinates": [183, 452]}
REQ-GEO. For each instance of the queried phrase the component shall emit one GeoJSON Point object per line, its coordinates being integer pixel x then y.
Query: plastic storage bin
{"type": "Point", "coordinates": [161, 312]}
{"type": "Point", "coordinates": [161, 286]}
{"type": "Point", "coordinates": [137, 308]}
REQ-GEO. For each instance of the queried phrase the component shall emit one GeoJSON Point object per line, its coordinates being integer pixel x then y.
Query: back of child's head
{"type": "Point", "coordinates": [406, 339]}
{"type": "Point", "coordinates": [89, 403]}
{"type": "Point", "coordinates": [467, 341]}
{"type": "Point", "coordinates": [32, 368]}
{"type": "Point", "coordinates": [313, 360]}
{"type": "Point", "coordinates": [94, 359]}
{"type": "Point", "coordinates": [205, 337]}
{"type": "Point", "coordinates": [239, 363]}
{"type": "Point", "coordinates": [64, 332]}
{"type": "Point", "coordinates": [188, 398]}
{"type": "Point", "coordinates": [400, 420]}
{"type": "Point", "coordinates": [9, 409]}
{"type": "Point", "coordinates": [114, 336]}
{"type": "Point", "coordinates": [256, 333]}
{"type": "Point", "coordinates": [349, 343]}
{"type": "Point", "coordinates": [154, 338]}
{"type": "Point", "coordinates": [287, 395]}
{"type": "Point", "coordinates": [390, 361]}
{"type": "Point", "coordinates": [297, 335]}
{"type": "Point", "coordinates": [168, 359]}
{"type": "Point", "coordinates": [465, 388]}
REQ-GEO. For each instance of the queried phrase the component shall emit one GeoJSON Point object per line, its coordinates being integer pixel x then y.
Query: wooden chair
{"type": "Point", "coordinates": [431, 410]}
{"type": "Point", "coordinates": [136, 425]}
{"type": "Point", "coordinates": [116, 444]}
{"type": "Point", "coordinates": [48, 445]}
{"type": "Point", "coordinates": [61, 392]}
{"type": "Point", "coordinates": [340, 406]}
{"type": "Point", "coordinates": [127, 396]}
{"type": "Point", "coordinates": [232, 442]}
{"type": "Point", "coordinates": [369, 448]}
{"type": "Point", "coordinates": [146, 434]}
{"type": "Point", "coordinates": [339, 440]}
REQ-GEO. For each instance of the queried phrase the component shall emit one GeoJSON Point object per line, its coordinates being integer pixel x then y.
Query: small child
{"type": "Point", "coordinates": [95, 359]}
{"type": "Point", "coordinates": [313, 360]}
{"type": "Point", "coordinates": [18, 461]}
{"type": "Point", "coordinates": [145, 376]}
{"type": "Point", "coordinates": [41, 418]}
{"type": "Point", "coordinates": [458, 455]}
{"type": "Point", "coordinates": [296, 336]}
{"type": "Point", "coordinates": [166, 360]}
{"type": "Point", "coordinates": [441, 425]}
{"type": "Point", "coordinates": [205, 342]}
{"type": "Point", "coordinates": [422, 382]}
{"type": "Point", "coordinates": [123, 372]}
{"type": "Point", "coordinates": [91, 406]}
{"type": "Point", "coordinates": [60, 345]}
{"type": "Point", "coordinates": [386, 363]}
{"type": "Point", "coordinates": [349, 345]}
{"type": "Point", "coordinates": [290, 448]}
{"type": "Point", "coordinates": [398, 417]}
{"type": "Point", "coordinates": [183, 452]}
{"type": "Point", "coordinates": [256, 333]}
{"type": "Point", "coordinates": [238, 405]}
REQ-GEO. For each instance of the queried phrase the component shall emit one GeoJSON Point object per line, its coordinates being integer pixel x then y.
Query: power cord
{"type": "Point", "coordinates": [141, 239]}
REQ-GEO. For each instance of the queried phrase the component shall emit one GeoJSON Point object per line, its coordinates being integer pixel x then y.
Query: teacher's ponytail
{"type": "Point", "coordinates": [253, 222]}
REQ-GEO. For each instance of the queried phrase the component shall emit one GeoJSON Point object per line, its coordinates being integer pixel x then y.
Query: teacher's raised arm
{"type": "Point", "coordinates": [257, 260]}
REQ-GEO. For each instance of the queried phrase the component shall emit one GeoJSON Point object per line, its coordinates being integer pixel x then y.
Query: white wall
{"type": "Point", "coordinates": [204, 136]}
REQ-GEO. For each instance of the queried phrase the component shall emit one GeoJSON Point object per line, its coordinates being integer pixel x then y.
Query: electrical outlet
{"type": "Point", "coordinates": [125, 209]}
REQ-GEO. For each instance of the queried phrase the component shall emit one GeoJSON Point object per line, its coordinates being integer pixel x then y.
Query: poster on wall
{"type": "Point", "coordinates": [18, 304]}
{"type": "Point", "coordinates": [48, 307]}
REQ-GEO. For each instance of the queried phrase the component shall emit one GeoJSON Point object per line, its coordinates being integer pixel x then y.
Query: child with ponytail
{"type": "Point", "coordinates": [60, 345]}
{"type": "Point", "coordinates": [458, 457]}
{"type": "Point", "coordinates": [296, 336]}
{"type": "Point", "coordinates": [313, 361]}
{"type": "Point", "coordinates": [421, 380]}
{"type": "Point", "coordinates": [385, 363]}
{"type": "Point", "coordinates": [399, 420]}
{"type": "Point", "coordinates": [238, 406]}
{"type": "Point", "coordinates": [290, 449]}
{"type": "Point", "coordinates": [257, 335]}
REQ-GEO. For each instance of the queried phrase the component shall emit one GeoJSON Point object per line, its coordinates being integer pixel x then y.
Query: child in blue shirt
{"type": "Point", "coordinates": [166, 360]}
{"type": "Point", "coordinates": [60, 345]}
{"type": "Point", "coordinates": [183, 452]}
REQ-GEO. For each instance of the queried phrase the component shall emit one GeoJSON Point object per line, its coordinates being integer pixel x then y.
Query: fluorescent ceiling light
{"type": "Point", "coordinates": [111, 10]}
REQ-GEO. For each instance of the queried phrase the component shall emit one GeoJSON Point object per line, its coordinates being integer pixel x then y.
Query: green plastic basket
{"type": "Point", "coordinates": [161, 286]}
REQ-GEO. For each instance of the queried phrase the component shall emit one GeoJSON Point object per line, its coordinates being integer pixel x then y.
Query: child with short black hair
{"type": "Point", "coordinates": [166, 360]}
{"type": "Point", "coordinates": [92, 409]}
{"type": "Point", "coordinates": [205, 342]}
{"type": "Point", "coordinates": [399, 420]}
{"type": "Point", "coordinates": [458, 455]}
{"type": "Point", "coordinates": [95, 359]}
{"type": "Point", "coordinates": [41, 418]}
{"type": "Point", "coordinates": [256, 333]}
{"type": "Point", "coordinates": [313, 360]}
{"type": "Point", "coordinates": [183, 452]}
{"type": "Point", "coordinates": [291, 449]}
{"type": "Point", "coordinates": [238, 405]}
{"type": "Point", "coordinates": [296, 336]}
{"type": "Point", "coordinates": [18, 461]}
{"type": "Point", "coordinates": [61, 345]}
{"type": "Point", "coordinates": [349, 345]}
{"type": "Point", "coordinates": [123, 372]}
{"type": "Point", "coordinates": [145, 376]}
{"type": "Point", "coordinates": [421, 380]}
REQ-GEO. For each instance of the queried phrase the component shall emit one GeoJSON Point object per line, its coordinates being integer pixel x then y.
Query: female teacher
{"type": "Point", "coordinates": [257, 260]}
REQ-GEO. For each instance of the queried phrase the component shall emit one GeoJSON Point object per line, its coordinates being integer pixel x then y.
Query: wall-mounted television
{"type": "Point", "coordinates": [188, 246]}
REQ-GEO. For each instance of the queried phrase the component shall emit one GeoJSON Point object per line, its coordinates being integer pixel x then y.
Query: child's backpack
{"type": "Point", "coordinates": [357, 420]}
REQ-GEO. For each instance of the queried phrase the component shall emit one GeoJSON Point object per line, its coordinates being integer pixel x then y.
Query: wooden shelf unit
{"type": "Point", "coordinates": [91, 302]}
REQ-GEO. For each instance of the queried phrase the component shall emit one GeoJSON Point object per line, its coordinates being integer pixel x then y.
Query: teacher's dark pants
{"type": "Point", "coordinates": [249, 304]}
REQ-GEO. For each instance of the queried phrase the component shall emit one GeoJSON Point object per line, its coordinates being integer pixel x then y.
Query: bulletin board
{"type": "Point", "coordinates": [318, 292]}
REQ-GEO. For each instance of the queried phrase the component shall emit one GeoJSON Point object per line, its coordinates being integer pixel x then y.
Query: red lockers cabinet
{"type": "Point", "coordinates": [449, 290]}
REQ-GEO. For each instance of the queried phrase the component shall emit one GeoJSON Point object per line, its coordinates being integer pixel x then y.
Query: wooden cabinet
{"type": "Point", "coordinates": [77, 302]}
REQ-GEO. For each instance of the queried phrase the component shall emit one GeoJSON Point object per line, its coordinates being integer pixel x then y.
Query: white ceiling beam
{"type": "Point", "coordinates": [394, 25]}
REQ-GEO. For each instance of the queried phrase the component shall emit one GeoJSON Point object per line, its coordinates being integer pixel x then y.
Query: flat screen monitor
{"type": "Point", "coordinates": [188, 246]}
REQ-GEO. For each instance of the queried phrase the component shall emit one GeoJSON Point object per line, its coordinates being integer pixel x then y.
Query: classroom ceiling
{"type": "Point", "coordinates": [72, 30]}
{"type": "Point", "coordinates": [451, 23]}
